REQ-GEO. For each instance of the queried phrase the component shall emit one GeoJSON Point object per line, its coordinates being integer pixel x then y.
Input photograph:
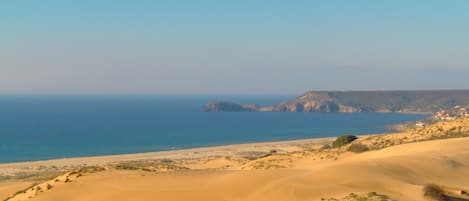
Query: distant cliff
{"type": "Point", "coordinates": [359, 101]}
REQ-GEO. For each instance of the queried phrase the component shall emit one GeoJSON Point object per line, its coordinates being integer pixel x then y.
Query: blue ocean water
{"type": "Point", "coordinates": [46, 127]}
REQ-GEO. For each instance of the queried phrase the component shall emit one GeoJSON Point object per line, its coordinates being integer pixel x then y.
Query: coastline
{"type": "Point", "coordinates": [265, 171]}
{"type": "Point", "coordinates": [192, 153]}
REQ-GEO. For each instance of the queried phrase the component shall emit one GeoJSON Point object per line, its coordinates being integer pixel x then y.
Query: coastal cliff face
{"type": "Point", "coordinates": [314, 102]}
{"type": "Point", "coordinates": [359, 101]}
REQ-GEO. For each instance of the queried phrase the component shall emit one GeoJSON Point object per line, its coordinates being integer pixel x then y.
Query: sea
{"type": "Point", "coordinates": [51, 127]}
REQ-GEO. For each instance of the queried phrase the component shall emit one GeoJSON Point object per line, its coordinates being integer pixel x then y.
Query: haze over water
{"type": "Point", "coordinates": [45, 127]}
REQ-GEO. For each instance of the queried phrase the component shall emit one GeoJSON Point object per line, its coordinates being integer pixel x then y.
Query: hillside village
{"type": "Point", "coordinates": [457, 112]}
{"type": "Point", "coordinates": [451, 114]}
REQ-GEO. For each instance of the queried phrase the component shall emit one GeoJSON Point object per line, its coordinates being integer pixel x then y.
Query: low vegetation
{"type": "Point", "coordinates": [91, 169]}
{"type": "Point", "coordinates": [371, 196]}
{"type": "Point", "coordinates": [148, 166]}
{"type": "Point", "coordinates": [358, 148]}
{"type": "Point", "coordinates": [434, 192]}
{"type": "Point", "coordinates": [254, 155]}
{"type": "Point", "coordinates": [326, 146]}
{"type": "Point", "coordinates": [20, 192]}
{"type": "Point", "coordinates": [267, 165]}
{"type": "Point", "coordinates": [343, 140]}
{"type": "Point", "coordinates": [32, 176]}
{"type": "Point", "coordinates": [42, 178]}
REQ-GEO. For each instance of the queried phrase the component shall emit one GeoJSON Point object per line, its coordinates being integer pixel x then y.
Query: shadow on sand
{"type": "Point", "coordinates": [450, 198]}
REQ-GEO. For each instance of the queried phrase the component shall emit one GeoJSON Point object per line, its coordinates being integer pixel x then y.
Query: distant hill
{"type": "Point", "coordinates": [223, 106]}
{"type": "Point", "coordinates": [359, 101]}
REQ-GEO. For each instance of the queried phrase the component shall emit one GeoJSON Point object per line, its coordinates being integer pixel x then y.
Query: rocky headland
{"type": "Point", "coordinates": [429, 101]}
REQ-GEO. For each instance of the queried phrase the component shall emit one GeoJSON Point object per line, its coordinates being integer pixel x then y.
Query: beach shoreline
{"type": "Point", "coordinates": [368, 168]}
{"type": "Point", "coordinates": [179, 154]}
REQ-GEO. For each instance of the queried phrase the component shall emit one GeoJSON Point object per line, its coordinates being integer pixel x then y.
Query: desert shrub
{"type": "Point", "coordinates": [166, 160]}
{"type": "Point", "coordinates": [149, 166]}
{"type": "Point", "coordinates": [464, 193]}
{"type": "Point", "coordinates": [254, 155]}
{"type": "Point", "coordinates": [38, 188]}
{"type": "Point", "coordinates": [376, 195]}
{"type": "Point", "coordinates": [343, 140]}
{"type": "Point", "coordinates": [326, 146]}
{"type": "Point", "coordinates": [34, 176]}
{"type": "Point", "coordinates": [358, 148]}
{"type": "Point", "coordinates": [434, 192]}
{"type": "Point", "coordinates": [371, 196]}
{"type": "Point", "coordinates": [90, 169]}
{"type": "Point", "coordinates": [127, 166]}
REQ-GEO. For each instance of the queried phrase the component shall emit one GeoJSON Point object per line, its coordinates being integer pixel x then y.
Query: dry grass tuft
{"type": "Point", "coordinates": [434, 192]}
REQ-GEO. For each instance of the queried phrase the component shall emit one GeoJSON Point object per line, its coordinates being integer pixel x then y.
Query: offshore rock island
{"type": "Point", "coordinates": [418, 101]}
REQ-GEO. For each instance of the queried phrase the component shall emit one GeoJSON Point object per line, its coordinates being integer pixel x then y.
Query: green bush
{"type": "Point", "coordinates": [434, 192]}
{"type": "Point", "coordinates": [343, 140]}
{"type": "Point", "coordinates": [358, 148]}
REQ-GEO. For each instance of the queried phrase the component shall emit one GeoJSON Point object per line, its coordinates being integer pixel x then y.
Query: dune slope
{"type": "Point", "coordinates": [398, 172]}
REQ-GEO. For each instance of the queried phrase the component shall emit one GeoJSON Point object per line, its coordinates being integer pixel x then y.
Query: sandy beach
{"type": "Point", "coordinates": [222, 100]}
{"type": "Point", "coordinates": [392, 167]}
{"type": "Point", "coordinates": [185, 154]}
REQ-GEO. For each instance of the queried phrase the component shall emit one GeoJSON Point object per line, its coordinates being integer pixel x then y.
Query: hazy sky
{"type": "Point", "coordinates": [240, 47]}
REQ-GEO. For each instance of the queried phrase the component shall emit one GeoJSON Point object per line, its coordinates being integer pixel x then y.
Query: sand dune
{"type": "Point", "coordinates": [396, 168]}
{"type": "Point", "coordinates": [398, 172]}
{"type": "Point", "coordinates": [9, 188]}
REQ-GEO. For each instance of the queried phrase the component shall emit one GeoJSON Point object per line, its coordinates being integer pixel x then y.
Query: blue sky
{"type": "Point", "coordinates": [238, 47]}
